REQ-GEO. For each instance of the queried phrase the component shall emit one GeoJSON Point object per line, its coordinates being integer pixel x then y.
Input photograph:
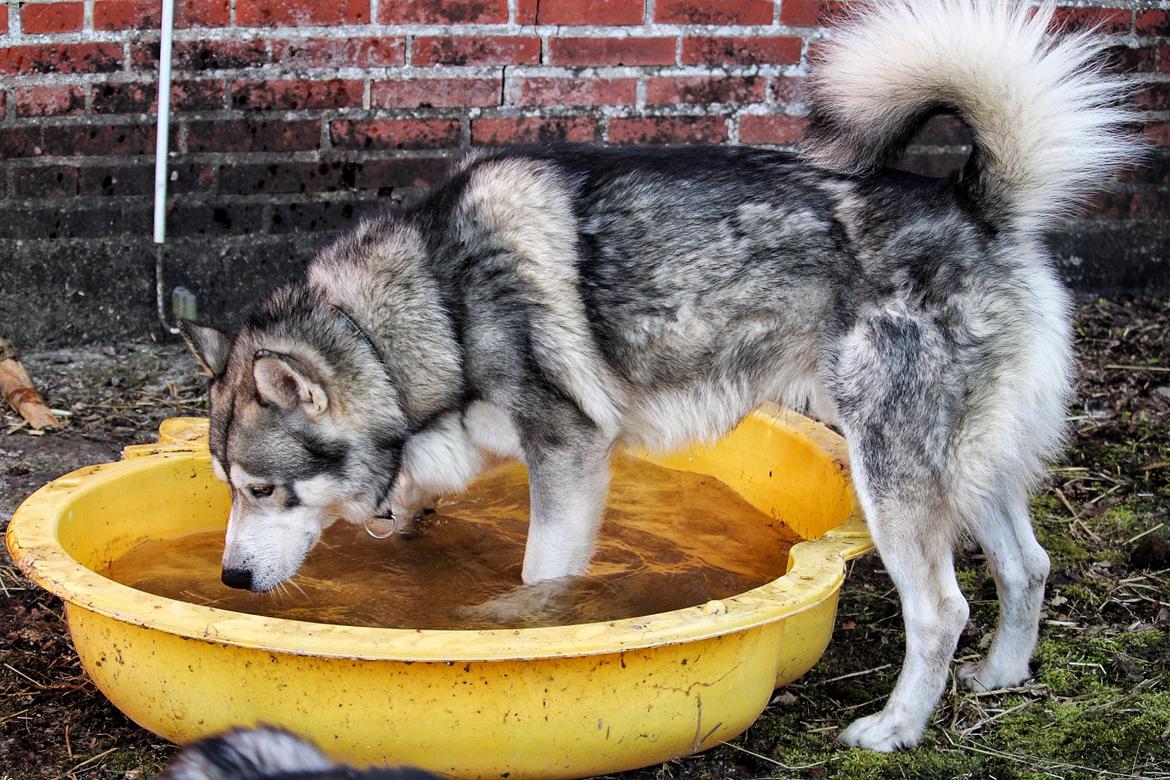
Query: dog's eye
{"type": "Point", "coordinates": [261, 491]}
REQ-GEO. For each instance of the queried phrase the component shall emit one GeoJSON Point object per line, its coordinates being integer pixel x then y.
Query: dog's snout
{"type": "Point", "coordinates": [237, 578]}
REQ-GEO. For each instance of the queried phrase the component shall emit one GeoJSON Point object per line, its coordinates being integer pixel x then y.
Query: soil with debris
{"type": "Point", "coordinates": [1098, 706]}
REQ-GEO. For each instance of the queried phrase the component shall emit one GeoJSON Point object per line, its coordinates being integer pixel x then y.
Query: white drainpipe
{"type": "Point", "coordinates": [160, 156]}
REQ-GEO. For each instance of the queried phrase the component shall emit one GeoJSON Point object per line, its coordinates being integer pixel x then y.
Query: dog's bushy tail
{"type": "Point", "coordinates": [1047, 122]}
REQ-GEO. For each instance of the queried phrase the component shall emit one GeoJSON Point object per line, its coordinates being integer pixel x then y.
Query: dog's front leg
{"type": "Point", "coordinates": [568, 483]}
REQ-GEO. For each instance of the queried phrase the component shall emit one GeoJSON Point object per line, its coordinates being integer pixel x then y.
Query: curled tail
{"type": "Point", "coordinates": [1047, 122]}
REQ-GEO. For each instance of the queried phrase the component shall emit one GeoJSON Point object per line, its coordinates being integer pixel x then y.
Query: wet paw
{"type": "Point", "coordinates": [516, 606]}
{"type": "Point", "coordinates": [980, 676]}
{"type": "Point", "coordinates": [882, 732]}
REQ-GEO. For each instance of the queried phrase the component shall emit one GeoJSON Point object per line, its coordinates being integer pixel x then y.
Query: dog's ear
{"type": "Point", "coordinates": [279, 383]}
{"type": "Point", "coordinates": [211, 347]}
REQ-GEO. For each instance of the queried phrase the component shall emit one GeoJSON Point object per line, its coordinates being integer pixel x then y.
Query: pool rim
{"type": "Point", "coordinates": [816, 573]}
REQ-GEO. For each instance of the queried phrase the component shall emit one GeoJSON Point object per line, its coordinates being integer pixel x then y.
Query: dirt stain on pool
{"type": "Point", "coordinates": [671, 539]}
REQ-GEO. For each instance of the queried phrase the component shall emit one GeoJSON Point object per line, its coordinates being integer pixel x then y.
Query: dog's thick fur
{"type": "Point", "coordinates": [268, 753]}
{"type": "Point", "coordinates": [548, 302]}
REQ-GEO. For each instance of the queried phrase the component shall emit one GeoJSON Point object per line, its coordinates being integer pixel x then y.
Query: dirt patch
{"type": "Point", "coordinates": [1099, 705]}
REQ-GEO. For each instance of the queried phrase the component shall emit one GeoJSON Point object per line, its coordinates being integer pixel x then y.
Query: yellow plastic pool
{"type": "Point", "coordinates": [567, 701]}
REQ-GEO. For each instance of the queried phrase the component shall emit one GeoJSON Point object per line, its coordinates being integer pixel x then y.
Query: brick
{"type": "Point", "coordinates": [1157, 133]}
{"type": "Point", "coordinates": [203, 55]}
{"type": "Point", "coordinates": [123, 98]}
{"type": "Point", "coordinates": [771, 129]}
{"type": "Point", "coordinates": [526, 11]}
{"type": "Point", "coordinates": [477, 50]}
{"type": "Point", "coordinates": [713, 11]}
{"type": "Point", "coordinates": [321, 215]}
{"type": "Point", "coordinates": [139, 179]}
{"type": "Point", "coordinates": [215, 219]}
{"type": "Point", "coordinates": [667, 130]}
{"type": "Point", "coordinates": [933, 164]}
{"type": "Point", "coordinates": [287, 177]}
{"type": "Point", "coordinates": [801, 13]}
{"type": "Point", "coordinates": [253, 136]}
{"type": "Point", "coordinates": [116, 180]}
{"type": "Point", "coordinates": [609, 12]}
{"type": "Point", "coordinates": [61, 58]}
{"type": "Point", "coordinates": [436, 93]}
{"type": "Point", "coordinates": [1112, 21]}
{"type": "Point", "coordinates": [4, 19]}
{"type": "Point", "coordinates": [572, 92]}
{"type": "Point", "coordinates": [943, 130]}
{"type": "Point", "coordinates": [513, 129]}
{"type": "Point", "coordinates": [403, 172]}
{"type": "Point", "coordinates": [126, 15]}
{"type": "Point", "coordinates": [76, 140]}
{"type": "Point", "coordinates": [395, 133]}
{"type": "Point", "coordinates": [294, 13]}
{"type": "Point", "coordinates": [704, 90]}
{"type": "Point", "coordinates": [136, 98]}
{"type": "Point", "coordinates": [444, 12]}
{"type": "Point", "coordinates": [611, 51]}
{"type": "Point", "coordinates": [292, 94]}
{"type": "Point", "coordinates": [1153, 96]}
{"type": "Point", "coordinates": [788, 90]}
{"type": "Point", "coordinates": [1153, 23]}
{"type": "Point", "coordinates": [1124, 59]}
{"type": "Point", "coordinates": [147, 14]}
{"type": "Point", "coordinates": [52, 181]}
{"type": "Point", "coordinates": [51, 17]}
{"type": "Point", "coordinates": [55, 100]}
{"type": "Point", "coordinates": [107, 180]}
{"type": "Point", "coordinates": [340, 52]}
{"type": "Point", "coordinates": [748, 50]}
{"type": "Point", "coordinates": [1154, 168]}
{"type": "Point", "coordinates": [52, 223]}
{"type": "Point", "coordinates": [204, 95]}
{"type": "Point", "coordinates": [1130, 205]}
{"type": "Point", "coordinates": [201, 13]}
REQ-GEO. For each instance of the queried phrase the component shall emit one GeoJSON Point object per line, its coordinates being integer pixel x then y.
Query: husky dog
{"type": "Point", "coordinates": [548, 302]}
{"type": "Point", "coordinates": [268, 753]}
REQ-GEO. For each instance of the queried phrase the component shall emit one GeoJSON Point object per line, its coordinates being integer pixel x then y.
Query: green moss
{"type": "Point", "coordinates": [1109, 730]}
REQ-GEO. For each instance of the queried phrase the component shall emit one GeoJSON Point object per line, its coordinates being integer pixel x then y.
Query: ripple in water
{"type": "Point", "coordinates": [671, 539]}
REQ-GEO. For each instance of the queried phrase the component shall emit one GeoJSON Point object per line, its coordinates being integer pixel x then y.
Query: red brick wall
{"type": "Point", "coordinates": [295, 115]}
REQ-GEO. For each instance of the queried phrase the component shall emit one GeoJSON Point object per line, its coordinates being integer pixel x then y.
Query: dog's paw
{"type": "Point", "coordinates": [519, 605]}
{"type": "Point", "coordinates": [882, 732]}
{"type": "Point", "coordinates": [980, 676]}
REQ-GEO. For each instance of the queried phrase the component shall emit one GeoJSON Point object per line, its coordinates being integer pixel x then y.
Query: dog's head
{"type": "Point", "coordinates": [307, 427]}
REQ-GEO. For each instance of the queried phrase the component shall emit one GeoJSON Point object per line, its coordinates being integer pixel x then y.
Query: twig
{"type": "Point", "coordinates": [40, 686]}
{"type": "Point", "coordinates": [1147, 531]}
{"type": "Point", "coordinates": [90, 760]}
{"type": "Point", "coordinates": [855, 674]}
{"type": "Point", "coordinates": [773, 761]}
{"type": "Point", "coordinates": [1152, 369]}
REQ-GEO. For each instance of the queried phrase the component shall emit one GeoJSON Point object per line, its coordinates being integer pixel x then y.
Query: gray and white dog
{"type": "Point", "coordinates": [549, 302]}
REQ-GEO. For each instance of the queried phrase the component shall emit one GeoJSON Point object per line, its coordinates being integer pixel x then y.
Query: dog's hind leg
{"type": "Point", "coordinates": [918, 556]}
{"type": "Point", "coordinates": [1020, 567]}
{"type": "Point", "coordinates": [897, 411]}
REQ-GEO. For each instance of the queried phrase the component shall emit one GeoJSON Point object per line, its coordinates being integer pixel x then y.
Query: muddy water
{"type": "Point", "coordinates": [671, 539]}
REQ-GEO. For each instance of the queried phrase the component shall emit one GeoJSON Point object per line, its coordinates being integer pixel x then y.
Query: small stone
{"type": "Point", "coordinates": [1151, 552]}
{"type": "Point", "coordinates": [1162, 392]}
{"type": "Point", "coordinates": [784, 699]}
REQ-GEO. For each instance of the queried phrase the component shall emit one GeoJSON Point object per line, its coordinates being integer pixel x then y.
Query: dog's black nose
{"type": "Point", "coordinates": [237, 578]}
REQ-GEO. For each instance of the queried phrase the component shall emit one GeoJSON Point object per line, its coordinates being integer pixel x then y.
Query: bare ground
{"type": "Point", "coordinates": [1098, 706]}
